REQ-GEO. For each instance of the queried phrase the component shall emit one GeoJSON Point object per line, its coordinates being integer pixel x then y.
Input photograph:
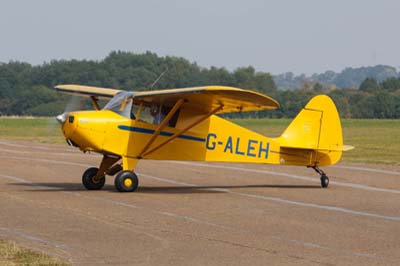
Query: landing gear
{"type": "Point", "coordinates": [324, 181]}
{"type": "Point", "coordinates": [126, 181]}
{"type": "Point", "coordinates": [324, 177]}
{"type": "Point", "coordinates": [91, 181]}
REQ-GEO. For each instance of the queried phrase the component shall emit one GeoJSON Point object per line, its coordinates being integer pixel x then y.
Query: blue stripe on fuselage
{"type": "Point", "coordinates": [162, 133]}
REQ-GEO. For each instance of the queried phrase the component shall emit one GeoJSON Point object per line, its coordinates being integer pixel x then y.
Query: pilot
{"type": "Point", "coordinates": [158, 114]}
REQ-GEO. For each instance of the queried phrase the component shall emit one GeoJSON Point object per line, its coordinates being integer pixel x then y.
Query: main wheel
{"type": "Point", "coordinates": [90, 181]}
{"type": "Point", "coordinates": [324, 181]}
{"type": "Point", "coordinates": [126, 181]}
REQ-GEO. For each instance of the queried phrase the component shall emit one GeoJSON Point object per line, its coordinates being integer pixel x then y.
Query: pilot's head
{"type": "Point", "coordinates": [154, 109]}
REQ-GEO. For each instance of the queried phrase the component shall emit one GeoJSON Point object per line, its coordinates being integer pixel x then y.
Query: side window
{"type": "Point", "coordinates": [141, 112]}
{"type": "Point", "coordinates": [158, 112]}
{"type": "Point", "coordinates": [154, 114]}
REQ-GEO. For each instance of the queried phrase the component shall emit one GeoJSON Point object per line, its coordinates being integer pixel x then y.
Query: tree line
{"type": "Point", "coordinates": [25, 89]}
{"type": "Point", "coordinates": [371, 99]}
{"type": "Point", "coordinates": [347, 78]}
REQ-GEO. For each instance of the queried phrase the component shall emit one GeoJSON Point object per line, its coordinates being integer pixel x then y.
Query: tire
{"type": "Point", "coordinates": [126, 181]}
{"type": "Point", "coordinates": [89, 181]}
{"type": "Point", "coordinates": [324, 181]}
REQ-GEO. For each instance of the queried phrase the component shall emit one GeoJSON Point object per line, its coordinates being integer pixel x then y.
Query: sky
{"type": "Point", "coordinates": [300, 36]}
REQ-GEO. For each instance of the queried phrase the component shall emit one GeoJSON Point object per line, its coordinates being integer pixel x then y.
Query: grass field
{"type": "Point", "coordinates": [28, 128]}
{"type": "Point", "coordinates": [12, 255]}
{"type": "Point", "coordinates": [376, 141]}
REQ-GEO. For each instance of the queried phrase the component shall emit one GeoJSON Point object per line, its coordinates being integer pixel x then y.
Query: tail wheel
{"type": "Point", "coordinates": [126, 181]}
{"type": "Point", "coordinates": [324, 181]}
{"type": "Point", "coordinates": [90, 181]}
{"type": "Point", "coordinates": [324, 177]}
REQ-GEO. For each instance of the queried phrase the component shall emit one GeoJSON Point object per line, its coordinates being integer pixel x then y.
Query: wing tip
{"type": "Point", "coordinates": [83, 90]}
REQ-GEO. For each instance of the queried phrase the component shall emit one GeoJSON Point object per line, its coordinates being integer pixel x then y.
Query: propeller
{"type": "Point", "coordinates": [75, 103]}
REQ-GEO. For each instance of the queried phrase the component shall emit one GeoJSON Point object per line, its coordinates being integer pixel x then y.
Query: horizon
{"type": "Point", "coordinates": [194, 62]}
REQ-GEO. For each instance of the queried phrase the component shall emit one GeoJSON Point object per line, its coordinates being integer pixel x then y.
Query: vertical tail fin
{"type": "Point", "coordinates": [317, 130]}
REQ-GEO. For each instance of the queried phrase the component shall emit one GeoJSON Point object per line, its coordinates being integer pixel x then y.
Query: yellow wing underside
{"type": "Point", "coordinates": [202, 99]}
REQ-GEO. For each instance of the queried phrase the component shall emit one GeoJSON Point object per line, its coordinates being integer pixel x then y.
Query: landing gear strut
{"type": "Point", "coordinates": [324, 177]}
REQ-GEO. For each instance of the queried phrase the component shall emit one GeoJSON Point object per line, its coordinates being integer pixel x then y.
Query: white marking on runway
{"type": "Point", "coordinates": [12, 144]}
{"type": "Point", "coordinates": [46, 153]}
{"type": "Point", "coordinates": [22, 146]}
{"type": "Point", "coordinates": [281, 200]}
{"type": "Point", "coordinates": [368, 169]}
{"type": "Point", "coordinates": [269, 172]}
{"type": "Point", "coordinates": [20, 233]}
{"type": "Point", "coordinates": [317, 246]}
{"type": "Point", "coordinates": [45, 161]}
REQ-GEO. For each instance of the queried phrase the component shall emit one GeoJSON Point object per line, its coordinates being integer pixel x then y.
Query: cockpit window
{"type": "Point", "coordinates": [154, 114]}
{"type": "Point", "coordinates": [121, 103]}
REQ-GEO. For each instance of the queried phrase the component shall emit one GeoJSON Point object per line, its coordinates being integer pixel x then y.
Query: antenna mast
{"type": "Point", "coordinates": [157, 79]}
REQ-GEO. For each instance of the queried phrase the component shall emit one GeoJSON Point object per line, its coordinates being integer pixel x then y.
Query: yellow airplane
{"type": "Point", "coordinates": [182, 124]}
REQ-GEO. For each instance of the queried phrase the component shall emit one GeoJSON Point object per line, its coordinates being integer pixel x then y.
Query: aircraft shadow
{"type": "Point", "coordinates": [56, 186]}
{"type": "Point", "coordinates": [214, 189]}
{"type": "Point", "coordinates": [71, 187]}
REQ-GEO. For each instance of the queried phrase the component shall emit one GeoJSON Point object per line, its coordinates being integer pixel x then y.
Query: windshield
{"type": "Point", "coordinates": [121, 103]}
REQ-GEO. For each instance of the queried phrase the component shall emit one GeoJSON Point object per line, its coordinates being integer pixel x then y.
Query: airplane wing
{"type": "Point", "coordinates": [208, 98]}
{"type": "Point", "coordinates": [202, 99]}
{"type": "Point", "coordinates": [87, 91]}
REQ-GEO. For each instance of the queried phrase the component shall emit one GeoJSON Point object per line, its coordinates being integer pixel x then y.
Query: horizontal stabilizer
{"type": "Point", "coordinates": [337, 148]}
{"type": "Point", "coordinates": [347, 147]}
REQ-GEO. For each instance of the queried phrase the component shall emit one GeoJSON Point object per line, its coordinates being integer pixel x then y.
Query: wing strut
{"type": "Point", "coordinates": [165, 121]}
{"type": "Point", "coordinates": [95, 102]}
{"type": "Point", "coordinates": [195, 123]}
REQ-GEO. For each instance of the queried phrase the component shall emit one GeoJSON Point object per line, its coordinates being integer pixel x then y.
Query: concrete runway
{"type": "Point", "coordinates": [188, 213]}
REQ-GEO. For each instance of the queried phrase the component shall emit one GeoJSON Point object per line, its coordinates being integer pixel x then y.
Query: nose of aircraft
{"type": "Point", "coordinates": [66, 121]}
{"type": "Point", "coordinates": [82, 129]}
{"type": "Point", "coordinates": [68, 126]}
